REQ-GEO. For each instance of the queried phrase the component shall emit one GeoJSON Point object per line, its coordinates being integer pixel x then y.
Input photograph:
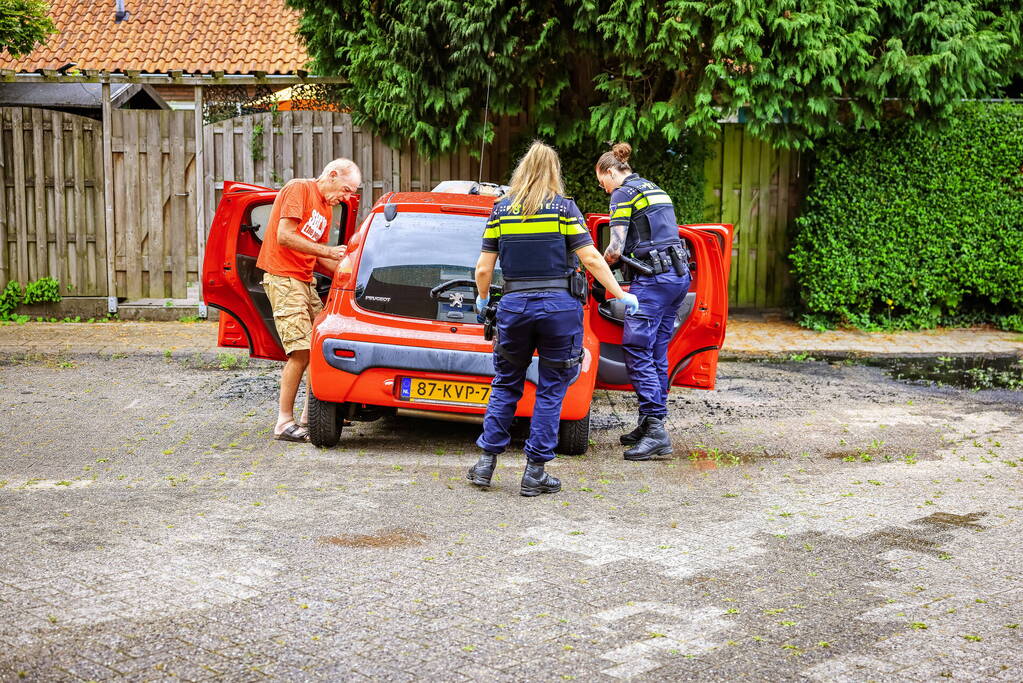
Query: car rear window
{"type": "Point", "coordinates": [405, 258]}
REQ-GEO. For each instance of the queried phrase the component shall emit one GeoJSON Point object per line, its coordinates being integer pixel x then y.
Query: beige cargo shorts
{"type": "Point", "coordinates": [295, 305]}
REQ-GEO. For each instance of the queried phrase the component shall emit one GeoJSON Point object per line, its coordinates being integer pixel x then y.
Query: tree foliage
{"type": "Point", "coordinates": [24, 24]}
{"type": "Point", "coordinates": [629, 69]}
{"type": "Point", "coordinates": [907, 229]}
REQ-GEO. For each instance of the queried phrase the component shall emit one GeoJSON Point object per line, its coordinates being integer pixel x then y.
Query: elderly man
{"type": "Point", "coordinates": [295, 241]}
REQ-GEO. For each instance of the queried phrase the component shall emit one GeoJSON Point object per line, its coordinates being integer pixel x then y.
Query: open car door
{"type": "Point", "coordinates": [700, 322]}
{"type": "Point", "coordinates": [231, 281]}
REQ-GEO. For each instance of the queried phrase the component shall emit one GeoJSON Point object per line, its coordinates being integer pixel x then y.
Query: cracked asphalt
{"type": "Point", "coordinates": [819, 521]}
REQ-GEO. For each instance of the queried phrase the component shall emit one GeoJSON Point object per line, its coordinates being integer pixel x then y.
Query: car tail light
{"type": "Point", "coordinates": [344, 277]}
{"type": "Point", "coordinates": [344, 353]}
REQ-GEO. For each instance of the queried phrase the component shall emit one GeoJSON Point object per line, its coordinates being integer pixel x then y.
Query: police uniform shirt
{"type": "Point", "coordinates": [639, 197]}
{"type": "Point", "coordinates": [558, 217]}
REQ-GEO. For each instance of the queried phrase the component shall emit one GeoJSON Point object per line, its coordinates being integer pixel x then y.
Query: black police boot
{"type": "Point", "coordinates": [633, 437]}
{"type": "Point", "coordinates": [535, 481]}
{"type": "Point", "coordinates": [654, 442]}
{"type": "Point", "coordinates": [481, 472]}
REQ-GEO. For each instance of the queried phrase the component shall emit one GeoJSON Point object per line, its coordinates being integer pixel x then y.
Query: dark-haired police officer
{"type": "Point", "coordinates": [540, 237]}
{"type": "Point", "coordinates": [643, 226]}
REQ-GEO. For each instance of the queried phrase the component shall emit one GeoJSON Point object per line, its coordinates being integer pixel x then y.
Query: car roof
{"type": "Point", "coordinates": [433, 201]}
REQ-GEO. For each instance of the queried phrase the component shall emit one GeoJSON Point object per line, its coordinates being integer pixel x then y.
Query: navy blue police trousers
{"type": "Point", "coordinates": [647, 335]}
{"type": "Point", "coordinates": [551, 323]}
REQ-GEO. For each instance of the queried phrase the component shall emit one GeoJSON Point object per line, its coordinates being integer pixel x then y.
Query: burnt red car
{"type": "Point", "coordinates": [399, 335]}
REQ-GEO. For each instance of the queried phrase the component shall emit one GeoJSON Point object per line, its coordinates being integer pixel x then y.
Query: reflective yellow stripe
{"type": "Point", "coordinates": [492, 233]}
{"type": "Point", "coordinates": [529, 228]}
{"type": "Point", "coordinates": [622, 212]}
{"type": "Point", "coordinates": [573, 229]}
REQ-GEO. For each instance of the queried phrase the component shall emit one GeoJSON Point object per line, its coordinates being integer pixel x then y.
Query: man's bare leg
{"type": "Point", "coordinates": [297, 363]}
{"type": "Point", "coordinates": [305, 406]}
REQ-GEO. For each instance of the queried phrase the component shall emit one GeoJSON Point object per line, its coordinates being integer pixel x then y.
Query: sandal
{"type": "Point", "coordinates": [294, 433]}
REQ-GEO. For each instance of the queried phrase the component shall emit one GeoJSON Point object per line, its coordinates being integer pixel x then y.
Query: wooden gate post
{"type": "Point", "coordinates": [200, 195]}
{"type": "Point", "coordinates": [108, 199]}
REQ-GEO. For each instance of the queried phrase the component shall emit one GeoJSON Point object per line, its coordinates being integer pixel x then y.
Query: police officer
{"type": "Point", "coordinates": [540, 237]}
{"type": "Point", "coordinates": [643, 227]}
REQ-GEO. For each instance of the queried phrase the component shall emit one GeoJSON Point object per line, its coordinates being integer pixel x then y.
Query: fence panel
{"type": "Point", "coordinates": [757, 189]}
{"type": "Point", "coordinates": [51, 200]}
{"type": "Point", "coordinates": [154, 215]}
{"type": "Point", "coordinates": [271, 149]}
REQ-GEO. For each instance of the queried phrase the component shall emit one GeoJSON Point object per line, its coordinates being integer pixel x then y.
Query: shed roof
{"type": "Point", "coordinates": [234, 36]}
{"type": "Point", "coordinates": [78, 95]}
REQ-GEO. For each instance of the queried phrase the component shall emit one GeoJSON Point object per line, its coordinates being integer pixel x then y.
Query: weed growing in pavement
{"type": "Point", "coordinates": [227, 361]}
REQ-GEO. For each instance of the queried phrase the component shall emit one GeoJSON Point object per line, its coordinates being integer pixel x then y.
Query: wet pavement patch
{"type": "Point", "coordinates": [967, 521]}
{"type": "Point", "coordinates": [713, 458]}
{"type": "Point", "coordinates": [602, 421]}
{"type": "Point", "coordinates": [245, 386]}
{"type": "Point", "coordinates": [394, 538]}
{"type": "Point", "coordinates": [964, 372]}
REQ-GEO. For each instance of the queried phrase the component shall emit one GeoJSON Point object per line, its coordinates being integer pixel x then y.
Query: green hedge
{"type": "Point", "coordinates": [903, 230]}
{"type": "Point", "coordinates": [677, 167]}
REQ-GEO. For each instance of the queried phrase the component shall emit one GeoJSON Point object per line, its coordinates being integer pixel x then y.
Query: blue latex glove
{"type": "Point", "coordinates": [481, 303]}
{"type": "Point", "coordinates": [631, 303]}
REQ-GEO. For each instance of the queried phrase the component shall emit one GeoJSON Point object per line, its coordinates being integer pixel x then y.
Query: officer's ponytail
{"type": "Point", "coordinates": [617, 158]}
{"type": "Point", "coordinates": [537, 178]}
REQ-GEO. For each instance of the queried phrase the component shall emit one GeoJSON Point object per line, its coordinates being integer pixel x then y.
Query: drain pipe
{"type": "Point", "coordinates": [120, 14]}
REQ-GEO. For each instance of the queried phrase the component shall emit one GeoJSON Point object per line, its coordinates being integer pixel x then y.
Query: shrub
{"type": "Point", "coordinates": [676, 167]}
{"type": "Point", "coordinates": [40, 291]}
{"type": "Point", "coordinates": [906, 230]}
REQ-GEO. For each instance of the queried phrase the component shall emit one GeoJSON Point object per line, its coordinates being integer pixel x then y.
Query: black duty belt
{"type": "Point", "coordinates": [656, 261]}
{"type": "Point", "coordinates": [510, 286]}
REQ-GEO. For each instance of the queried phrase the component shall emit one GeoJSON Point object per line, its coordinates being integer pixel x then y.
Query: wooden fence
{"type": "Point", "coordinates": [271, 149]}
{"type": "Point", "coordinates": [155, 241]}
{"type": "Point", "coordinates": [53, 212]}
{"type": "Point", "coordinates": [756, 188]}
{"type": "Point", "coordinates": [51, 200]}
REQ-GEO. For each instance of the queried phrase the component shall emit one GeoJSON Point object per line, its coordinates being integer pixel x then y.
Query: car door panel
{"type": "Point", "coordinates": [232, 282]}
{"type": "Point", "coordinates": [700, 321]}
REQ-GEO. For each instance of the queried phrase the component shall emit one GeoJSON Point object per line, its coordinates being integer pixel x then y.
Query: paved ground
{"type": "Point", "coordinates": [820, 522]}
{"type": "Point", "coordinates": [746, 336]}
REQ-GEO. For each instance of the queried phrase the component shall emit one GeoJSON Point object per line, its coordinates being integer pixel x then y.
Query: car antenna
{"type": "Point", "coordinates": [483, 141]}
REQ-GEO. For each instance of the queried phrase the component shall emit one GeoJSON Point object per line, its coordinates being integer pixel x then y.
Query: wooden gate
{"type": "Point", "coordinates": [51, 200]}
{"type": "Point", "coordinates": [155, 246]}
{"type": "Point", "coordinates": [756, 188]}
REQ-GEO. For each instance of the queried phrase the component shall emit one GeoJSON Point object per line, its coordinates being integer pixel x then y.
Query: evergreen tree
{"type": "Point", "coordinates": [627, 69]}
{"type": "Point", "coordinates": [24, 24]}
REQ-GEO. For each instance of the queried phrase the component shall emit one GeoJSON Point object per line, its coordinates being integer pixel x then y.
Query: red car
{"type": "Point", "coordinates": [398, 333]}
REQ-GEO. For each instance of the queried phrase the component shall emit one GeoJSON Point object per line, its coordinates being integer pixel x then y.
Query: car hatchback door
{"type": "Point", "coordinates": [231, 281]}
{"type": "Point", "coordinates": [700, 322]}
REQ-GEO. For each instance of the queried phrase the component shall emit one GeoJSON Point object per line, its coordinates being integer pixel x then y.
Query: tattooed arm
{"type": "Point", "coordinates": [617, 243]}
{"type": "Point", "coordinates": [621, 215]}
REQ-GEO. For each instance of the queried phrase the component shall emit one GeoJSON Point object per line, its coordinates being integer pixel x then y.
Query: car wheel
{"type": "Point", "coordinates": [324, 423]}
{"type": "Point", "coordinates": [574, 436]}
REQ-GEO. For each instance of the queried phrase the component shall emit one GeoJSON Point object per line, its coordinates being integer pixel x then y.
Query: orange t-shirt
{"type": "Point", "coordinates": [302, 201]}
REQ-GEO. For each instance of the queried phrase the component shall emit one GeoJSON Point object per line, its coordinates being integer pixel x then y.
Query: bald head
{"type": "Point", "coordinates": [343, 168]}
{"type": "Point", "coordinates": [339, 180]}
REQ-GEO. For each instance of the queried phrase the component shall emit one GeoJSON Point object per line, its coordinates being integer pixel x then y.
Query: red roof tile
{"type": "Point", "coordinates": [235, 36]}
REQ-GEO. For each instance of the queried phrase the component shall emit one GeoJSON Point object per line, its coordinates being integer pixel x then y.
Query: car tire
{"type": "Point", "coordinates": [324, 423]}
{"type": "Point", "coordinates": [574, 436]}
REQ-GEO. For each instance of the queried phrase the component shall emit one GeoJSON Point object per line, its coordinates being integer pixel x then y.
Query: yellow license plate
{"type": "Point", "coordinates": [434, 391]}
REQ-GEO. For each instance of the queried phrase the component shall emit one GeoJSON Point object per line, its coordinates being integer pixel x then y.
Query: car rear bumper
{"type": "Point", "coordinates": [366, 355]}
{"type": "Point", "coordinates": [369, 373]}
